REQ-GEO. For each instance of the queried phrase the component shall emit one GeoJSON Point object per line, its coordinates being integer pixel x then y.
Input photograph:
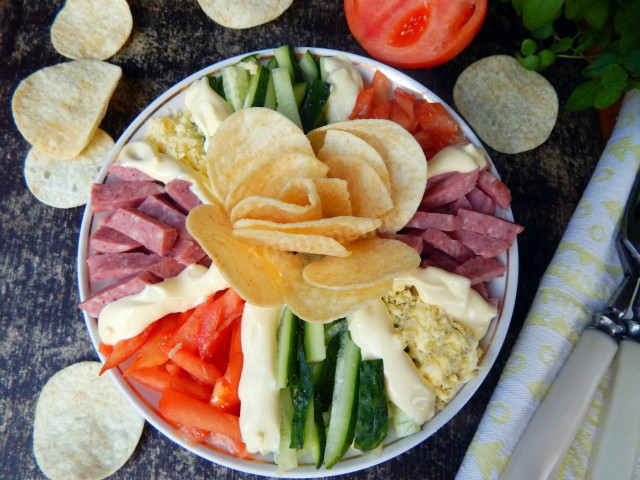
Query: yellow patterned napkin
{"type": "Point", "coordinates": [581, 277]}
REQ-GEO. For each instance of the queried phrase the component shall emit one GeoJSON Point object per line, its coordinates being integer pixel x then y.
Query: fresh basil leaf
{"type": "Point", "coordinates": [630, 41]}
{"type": "Point", "coordinates": [537, 13]}
{"type": "Point", "coordinates": [573, 11]}
{"type": "Point", "coordinates": [626, 19]}
{"type": "Point", "coordinates": [632, 61]}
{"type": "Point", "coordinates": [596, 14]}
{"type": "Point", "coordinates": [607, 96]}
{"type": "Point", "coordinates": [562, 45]}
{"type": "Point", "coordinates": [613, 74]}
{"type": "Point", "coordinates": [595, 68]}
{"type": "Point", "coordinates": [584, 94]}
{"type": "Point", "coordinates": [517, 6]}
{"type": "Point", "coordinates": [544, 32]}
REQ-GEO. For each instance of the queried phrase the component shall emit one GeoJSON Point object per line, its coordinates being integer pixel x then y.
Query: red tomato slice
{"type": "Point", "coordinates": [415, 33]}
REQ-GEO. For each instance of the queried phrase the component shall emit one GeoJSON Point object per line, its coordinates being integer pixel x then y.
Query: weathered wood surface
{"type": "Point", "coordinates": [41, 329]}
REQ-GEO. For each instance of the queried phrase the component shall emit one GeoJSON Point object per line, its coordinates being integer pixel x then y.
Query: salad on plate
{"type": "Point", "coordinates": [293, 263]}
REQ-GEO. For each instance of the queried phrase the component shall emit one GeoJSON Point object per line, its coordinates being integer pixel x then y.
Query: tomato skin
{"type": "Point", "coordinates": [414, 33]}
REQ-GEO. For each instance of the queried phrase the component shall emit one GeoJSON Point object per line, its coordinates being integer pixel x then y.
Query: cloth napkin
{"type": "Point", "coordinates": [581, 277]}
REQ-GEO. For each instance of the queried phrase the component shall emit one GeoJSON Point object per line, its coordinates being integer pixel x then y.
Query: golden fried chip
{"type": "Point", "coordinates": [291, 242]}
{"type": "Point", "coordinates": [371, 261]}
{"type": "Point", "coordinates": [66, 183]}
{"type": "Point", "coordinates": [243, 266]}
{"type": "Point", "coordinates": [315, 304]}
{"type": "Point", "coordinates": [269, 177]}
{"type": "Point", "coordinates": [262, 208]}
{"type": "Point", "coordinates": [405, 162]}
{"type": "Point", "coordinates": [247, 138]}
{"type": "Point", "coordinates": [342, 229]}
{"type": "Point", "coordinates": [338, 143]}
{"type": "Point", "coordinates": [58, 108]}
{"type": "Point", "coordinates": [91, 29]}
{"type": "Point", "coordinates": [511, 108]}
{"type": "Point", "coordinates": [84, 428]}
{"type": "Point", "coordinates": [334, 196]}
{"type": "Point", "coordinates": [299, 191]}
{"type": "Point", "coordinates": [243, 13]}
{"type": "Point", "coordinates": [369, 197]}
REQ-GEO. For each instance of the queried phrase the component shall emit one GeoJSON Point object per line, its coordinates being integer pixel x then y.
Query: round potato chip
{"type": "Point", "coordinates": [298, 191]}
{"type": "Point", "coordinates": [511, 108]}
{"type": "Point", "coordinates": [91, 29]}
{"type": "Point", "coordinates": [66, 183]}
{"type": "Point", "coordinates": [339, 143]}
{"type": "Point", "coordinates": [291, 242]}
{"type": "Point", "coordinates": [243, 266]}
{"type": "Point", "coordinates": [342, 229]}
{"type": "Point", "coordinates": [371, 261]}
{"type": "Point", "coordinates": [269, 177]}
{"type": "Point", "coordinates": [243, 13]}
{"type": "Point", "coordinates": [405, 162]}
{"type": "Point", "coordinates": [247, 138]}
{"type": "Point", "coordinates": [262, 208]}
{"type": "Point", "coordinates": [84, 428]}
{"type": "Point", "coordinates": [57, 109]}
{"type": "Point", "coordinates": [321, 305]}
{"type": "Point", "coordinates": [369, 197]}
{"type": "Point", "coordinates": [334, 196]}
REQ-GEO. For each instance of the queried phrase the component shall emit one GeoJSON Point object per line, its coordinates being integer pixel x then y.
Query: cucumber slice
{"type": "Point", "coordinates": [372, 425]}
{"type": "Point", "coordinates": [270, 97]}
{"type": "Point", "coordinates": [299, 91]}
{"type": "Point", "coordinates": [309, 67]}
{"type": "Point", "coordinates": [335, 329]}
{"type": "Point", "coordinates": [314, 348]}
{"type": "Point", "coordinates": [326, 378]}
{"type": "Point", "coordinates": [216, 85]}
{"type": "Point", "coordinates": [284, 95]}
{"type": "Point", "coordinates": [286, 57]}
{"type": "Point", "coordinates": [344, 404]}
{"type": "Point", "coordinates": [315, 436]}
{"type": "Point", "coordinates": [323, 69]}
{"type": "Point", "coordinates": [287, 349]}
{"type": "Point", "coordinates": [257, 88]}
{"type": "Point", "coordinates": [250, 58]}
{"type": "Point", "coordinates": [286, 457]}
{"type": "Point", "coordinates": [236, 84]}
{"type": "Point", "coordinates": [403, 423]}
{"type": "Point", "coordinates": [272, 63]}
{"type": "Point", "coordinates": [301, 400]}
{"type": "Point", "coordinates": [314, 103]}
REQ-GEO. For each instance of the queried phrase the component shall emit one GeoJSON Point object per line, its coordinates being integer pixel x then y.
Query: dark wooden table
{"type": "Point", "coordinates": [42, 331]}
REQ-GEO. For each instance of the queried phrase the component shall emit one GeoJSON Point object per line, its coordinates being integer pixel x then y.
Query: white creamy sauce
{"type": "Point", "coordinates": [258, 391]}
{"type": "Point", "coordinates": [456, 158]}
{"type": "Point", "coordinates": [164, 168]}
{"type": "Point", "coordinates": [129, 316]}
{"type": "Point", "coordinates": [346, 83]}
{"type": "Point", "coordinates": [372, 330]}
{"type": "Point", "coordinates": [207, 108]}
{"type": "Point", "coordinates": [452, 293]}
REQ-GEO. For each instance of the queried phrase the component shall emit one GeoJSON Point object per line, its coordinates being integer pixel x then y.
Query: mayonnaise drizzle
{"type": "Point", "coordinates": [258, 391]}
{"type": "Point", "coordinates": [456, 158]}
{"type": "Point", "coordinates": [164, 168]}
{"type": "Point", "coordinates": [372, 330]}
{"type": "Point", "coordinates": [346, 83]}
{"type": "Point", "coordinates": [129, 316]}
{"type": "Point", "coordinates": [208, 109]}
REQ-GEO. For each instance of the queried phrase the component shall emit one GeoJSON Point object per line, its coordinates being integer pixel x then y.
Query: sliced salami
{"type": "Point", "coordinates": [108, 240]}
{"type": "Point", "coordinates": [129, 174]}
{"type": "Point", "coordinates": [444, 243]}
{"type": "Point", "coordinates": [153, 234]}
{"type": "Point", "coordinates": [439, 221]}
{"type": "Point", "coordinates": [128, 286]}
{"type": "Point", "coordinates": [482, 245]}
{"type": "Point", "coordinates": [180, 192]}
{"type": "Point", "coordinates": [167, 268]}
{"type": "Point", "coordinates": [161, 209]}
{"type": "Point", "coordinates": [480, 269]}
{"type": "Point", "coordinates": [480, 202]}
{"type": "Point", "coordinates": [440, 260]}
{"type": "Point", "coordinates": [115, 266]}
{"type": "Point", "coordinates": [458, 204]}
{"type": "Point", "coordinates": [186, 251]}
{"type": "Point", "coordinates": [493, 187]}
{"type": "Point", "coordinates": [488, 225]}
{"type": "Point", "coordinates": [449, 189]}
{"type": "Point", "coordinates": [107, 197]}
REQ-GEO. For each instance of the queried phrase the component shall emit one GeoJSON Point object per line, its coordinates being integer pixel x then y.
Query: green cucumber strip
{"type": "Point", "coordinates": [272, 63]}
{"type": "Point", "coordinates": [315, 436]}
{"type": "Point", "coordinates": [326, 379]}
{"type": "Point", "coordinates": [286, 457]}
{"type": "Point", "coordinates": [286, 57]}
{"type": "Point", "coordinates": [344, 404]}
{"type": "Point", "coordinates": [270, 96]}
{"type": "Point", "coordinates": [335, 329]}
{"type": "Point", "coordinates": [284, 95]}
{"type": "Point", "coordinates": [301, 400]}
{"type": "Point", "coordinates": [287, 371]}
{"type": "Point", "coordinates": [257, 88]}
{"type": "Point", "coordinates": [216, 85]}
{"type": "Point", "coordinates": [250, 58]}
{"type": "Point", "coordinates": [309, 67]}
{"type": "Point", "coordinates": [314, 103]}
{"type": "Point", "coordinates": [372, 425]}
{"type": "Point", "coordinates": [323, 69]}
{"type": "Point", "coordinates": [314, 348]}
{"type": "Point", "coordinates": [299, 91]}
{"type": "Point", "coordinates": [236, 85]}
{"type": "Point", "coordinates": [403, 423]}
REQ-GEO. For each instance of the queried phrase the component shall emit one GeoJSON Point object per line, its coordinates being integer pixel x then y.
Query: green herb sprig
{"type": "Point", "coordinates": [607, 35]}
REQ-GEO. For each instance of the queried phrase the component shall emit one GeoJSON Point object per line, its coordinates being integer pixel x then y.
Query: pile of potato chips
{"type": "Point", "coordinates": [298, 215]}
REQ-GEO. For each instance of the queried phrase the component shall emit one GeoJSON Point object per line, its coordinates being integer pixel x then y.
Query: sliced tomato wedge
{"type": "Point", "coordinates": [415, 33]}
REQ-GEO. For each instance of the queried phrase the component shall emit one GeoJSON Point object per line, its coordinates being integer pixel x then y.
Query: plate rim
{"type": "Point", "coordinates": [347, 465]}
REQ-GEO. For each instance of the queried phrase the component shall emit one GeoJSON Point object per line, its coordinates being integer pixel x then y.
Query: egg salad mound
{"type": "Point", "coordinates": [444, 351]}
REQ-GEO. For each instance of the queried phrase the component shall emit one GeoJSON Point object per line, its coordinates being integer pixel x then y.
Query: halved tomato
{"type": "Point", "coordinates": [414, 33]}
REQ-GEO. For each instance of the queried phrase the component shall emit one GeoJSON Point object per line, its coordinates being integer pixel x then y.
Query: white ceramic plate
{"type": "Point", "coordinates": [145, 400]}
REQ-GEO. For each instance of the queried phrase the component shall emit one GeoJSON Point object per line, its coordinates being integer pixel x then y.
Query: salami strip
{"type": "Point", "coordinates": [460, 203]}
{"type": "Point", "coordinates": [128, 286]}
{"type": "Point", "coordinates": [107, 197]}
{"type": "Point", "coordinates": [439, 221]}
{"type": "Point", "coordinates": [433, 181]}
{"type": "Point", "coordinates": [115, 266]}
{"type": "Point", "coordinates": [186, 251]}
{"type": "Point", "coordinates": [449, 189]}
{"type": "Point", "coordinates": [153, 234]}
{"type": "Point", "coordinates": [180, 192]}
{"type": "Point", "coordinates": [493, 187]}
{"type": "Point", "coordinates": [488, 225]}
{"type": "Point", "coordinates": [161, 209]}
{"type": "Point", "coordinates": [108, 240]}
{"type": "Point", "coordinates": [480, 202]}
{"type": "Point", "coordinates": [440, 260]}
{"type": "Point", "coordinates": [480, 269]}
{"type": "Point", "coordinates": [482, 245]}
{"type": "Point", "coordinates": [205, 262]}
{"type": "Point", "coordinates": [414, 241]}
{"type": "Point", "coordinates": [481, 288]}
{"type": "Point", "coordinates": [444, 243]}
{"type": "Point", "coordinates": [129, 174]}
{"type": "Point", "coordinates": [167, 268]}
